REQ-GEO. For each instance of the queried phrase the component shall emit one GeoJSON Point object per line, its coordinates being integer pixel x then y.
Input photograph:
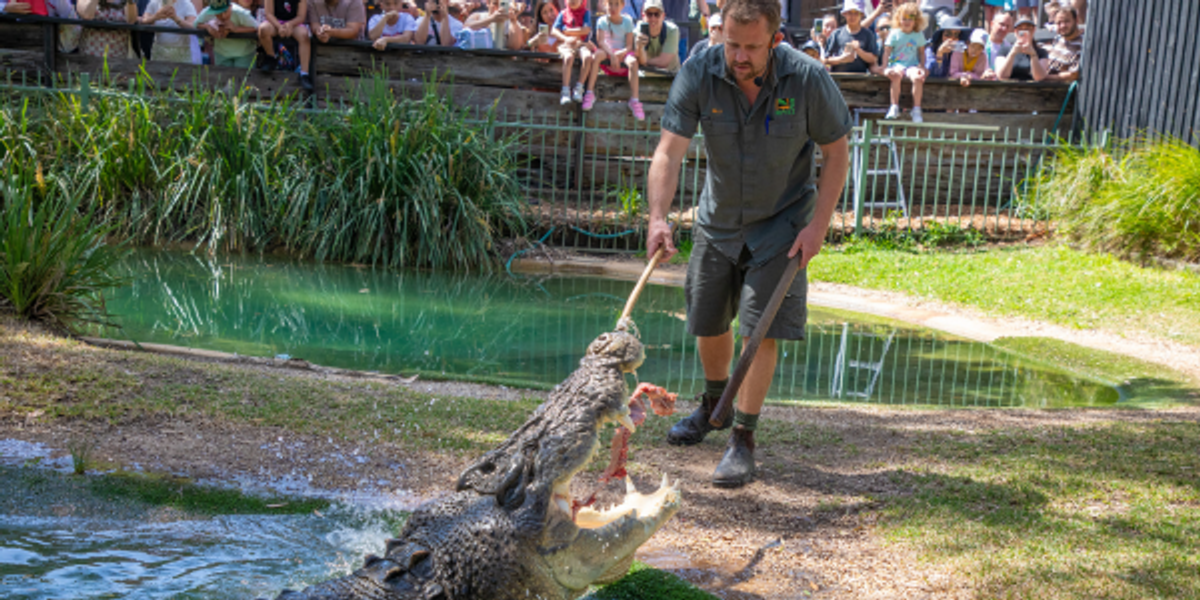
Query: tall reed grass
{"type": "Point", "coordinates": [1135, 199]}
{"type": "Point", "coordinates": [391, 181]}
{"type": "Point", "coordinates": [55, 264]}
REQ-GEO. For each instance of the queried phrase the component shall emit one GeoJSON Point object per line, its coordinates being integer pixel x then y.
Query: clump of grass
{"type": "Point", "coordinates": [1137, 199]}
{"type": "Point", "coordinates": [81, 454]}
{"type": "Point", "coordinates": [55, 264]}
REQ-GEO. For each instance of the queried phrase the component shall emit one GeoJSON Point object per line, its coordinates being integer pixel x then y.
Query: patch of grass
{"type": "Point", "coordinates": [195, 499]}
{"type": "Point", "coordinates": [647, 583]}
{"type": "Point", "coordinates": [1051, 283]}
{"type": "Point", "coordinates": [1105, 510]}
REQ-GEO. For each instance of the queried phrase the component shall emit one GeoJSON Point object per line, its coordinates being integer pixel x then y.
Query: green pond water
{"type": "Point", "coordinates": [527, 329]}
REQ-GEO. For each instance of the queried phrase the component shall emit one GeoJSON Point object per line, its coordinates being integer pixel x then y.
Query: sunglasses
{"type": "Point", "coordinates": [654, 13]}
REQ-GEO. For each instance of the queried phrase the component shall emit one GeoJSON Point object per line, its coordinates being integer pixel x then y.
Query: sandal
{"type": "Point", "coordinates": [635, 105]}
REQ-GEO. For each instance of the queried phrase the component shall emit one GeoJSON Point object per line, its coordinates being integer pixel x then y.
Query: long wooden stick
{"type": "Point", "coordinates": [641, 284]}
{"type": "Point", "coordinates": [756, 337]}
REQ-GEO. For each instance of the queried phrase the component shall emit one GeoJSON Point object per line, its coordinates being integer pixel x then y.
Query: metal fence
{"type": "Point", "coordinates": [585, 177]}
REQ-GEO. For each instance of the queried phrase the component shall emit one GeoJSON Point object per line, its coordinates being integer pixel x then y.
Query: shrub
{"type": "Point", "coordinates": [54, 262]}
{"type": "Point", "coordinates": [1136, 199]}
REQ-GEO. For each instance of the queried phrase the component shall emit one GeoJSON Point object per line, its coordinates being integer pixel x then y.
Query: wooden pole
{"type": "Point", "coordinates": [756, 338]}
{"type": "Point", "coordinates": [641, 284]}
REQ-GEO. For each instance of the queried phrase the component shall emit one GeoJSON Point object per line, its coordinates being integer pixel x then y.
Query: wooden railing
{"type": "Point", "coordinates": [519, 82]}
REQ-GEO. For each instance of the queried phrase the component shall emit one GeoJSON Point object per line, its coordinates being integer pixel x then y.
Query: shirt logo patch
{"type": "Point", "coordinates": [785, 106]}
{"type": "Point", "coordinates": [717, 111]}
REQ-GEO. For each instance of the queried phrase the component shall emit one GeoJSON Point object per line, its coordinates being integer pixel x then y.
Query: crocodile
{"type": "Point", "coordinates": [511, 529]}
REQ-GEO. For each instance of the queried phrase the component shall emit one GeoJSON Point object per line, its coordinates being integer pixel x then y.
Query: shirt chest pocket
{"type": "Point", "coordinates": [714, 128]}
{"type": "Point", "coordinates": [782, 142]}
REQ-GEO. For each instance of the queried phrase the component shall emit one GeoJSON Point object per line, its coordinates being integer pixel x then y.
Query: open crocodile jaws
{"type": "Point", "coordinates": [512, 530]}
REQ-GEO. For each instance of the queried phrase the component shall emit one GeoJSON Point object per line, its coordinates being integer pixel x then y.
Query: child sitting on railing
{"type": "Point", "coordinates": [614, 35]}
{"type": "Point", "coordinates": [286, 20]}
{"type": "Point", "coordinates": [573, 30]}
{"type": "Point", "coordinates": [902, 55]}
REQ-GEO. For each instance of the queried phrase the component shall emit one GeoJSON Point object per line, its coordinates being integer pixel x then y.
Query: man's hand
{"type": "Point", "coordinates": [659, 236]}
{"type": "Point", "coordinates": [990, 75]}
{"type": "Point", "coordinates": [391, 17]}
{"type": "Point", "coordinates": [808, 242]}
{"type": "Point", "coordinates": [380, 44]}
{"type": "Point", "coordinates": [215, 29]}
{"type": "Point", "coordinates": [642, 40]}
{"type": "Point", "coordinates": [18, 8]}
{"type": "Point", "coordinates": [166, 12]}
{"type": "Point", "coordinates": [323, 33]}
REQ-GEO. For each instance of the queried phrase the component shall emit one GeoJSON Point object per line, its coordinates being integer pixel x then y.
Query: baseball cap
{"type": "Point", "coordinates": [980, 37]}
{"type": "Point", "coordinates": [855, 5]}
{"type": "Point", "coordinates": [658, 4]}
{"type": "Point", "coordinates": [714, 20]}
{"type": "Point", "coordinates": [1024, 21]}
{"type": "Point", "coordinates": [218, 6]}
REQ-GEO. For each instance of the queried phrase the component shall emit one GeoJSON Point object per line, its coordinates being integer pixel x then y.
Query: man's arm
{"type": "Point", "coordinates": [829, 190]}
{"type": "Point", "coordinates": [660, 191]}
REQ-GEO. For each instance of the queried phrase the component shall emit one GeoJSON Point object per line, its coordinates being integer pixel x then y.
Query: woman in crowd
{"type": "Point", "coordinates": [545, 15]}
{"type": "Point", "coordinates": [111, 43]}
{"type": "Point", "coordinates": [949, 38]}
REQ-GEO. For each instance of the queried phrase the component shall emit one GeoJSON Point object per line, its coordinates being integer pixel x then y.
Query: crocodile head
{"type": "Point", "coordinates": [512, 528]}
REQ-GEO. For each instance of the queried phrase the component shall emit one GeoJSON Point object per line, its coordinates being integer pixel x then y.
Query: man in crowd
{"type": "Point", "coordinates": [1064, 53]}
{"type": "Point", "coordinates": [336, 19]}
{"type": "Point", "coordinates": [715, 36]}
{"type": "Point", "coordinates": [765, 108]}
{"type": "Point", "coordinates": [1027, 61]}
{"type": "Point", "coordinates": [997, 47]}
{"type": "Point", "coordinates": [657, 39]}
{"type": "Point", "coordinates": [852, 49]}
{"type": "Point", "coordinates": [438, 27]}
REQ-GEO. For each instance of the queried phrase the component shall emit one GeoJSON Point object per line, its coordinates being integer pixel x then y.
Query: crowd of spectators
{"type": "Point", "coordinates": [630, 39]}
{"type": "Point", "coordinates": [917, 41]}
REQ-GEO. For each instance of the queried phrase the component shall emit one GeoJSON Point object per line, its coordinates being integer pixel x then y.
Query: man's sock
{"type": "Point", "coordinates": [714, 389]}
{"type": "Point", "coordinates": [747, 421]}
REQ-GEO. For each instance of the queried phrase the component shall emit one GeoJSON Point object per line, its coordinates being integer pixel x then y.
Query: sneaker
{"type": "Point", "coordinates": [589, 100]}
{"type": "Point", "coordinates": [893, 113]}
{"type": "Point", "coordinates": [916, 115]}
{"type": "Point", "coordinates": [578, 95]}
{"type": "Point", "coordinates": [639, 112]}
{"type": "Point", "coordinates": [267, 63]}
{"type": "Point", "coordinates": [566, 96]}
{"type": "Point", "coordinates": [306, 82]}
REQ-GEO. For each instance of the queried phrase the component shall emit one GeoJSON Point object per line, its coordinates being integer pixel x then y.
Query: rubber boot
{"type": "Point", "coordinates": [737, 466]}
{"type": "Point", "coordinates": [691, 430]}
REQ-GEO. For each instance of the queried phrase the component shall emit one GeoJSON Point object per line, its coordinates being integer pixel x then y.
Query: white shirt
{"type": "Point", "coordinates": [403, 24]}
{"type": "Point", "coordinates": [183, 10]}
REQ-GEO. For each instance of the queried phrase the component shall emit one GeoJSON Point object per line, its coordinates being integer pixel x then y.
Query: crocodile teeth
{"type": "Point", "coordinates": [626, 422]}
{"type": "Point", "coordinates": [629, 488]}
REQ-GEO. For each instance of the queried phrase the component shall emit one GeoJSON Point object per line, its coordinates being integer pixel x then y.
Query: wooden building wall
{"type": "Point", "coordinates": [1141, 68]}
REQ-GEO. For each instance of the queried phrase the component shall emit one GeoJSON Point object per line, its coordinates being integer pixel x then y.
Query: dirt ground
{"type": "Point", "coordinates": [807, 528]}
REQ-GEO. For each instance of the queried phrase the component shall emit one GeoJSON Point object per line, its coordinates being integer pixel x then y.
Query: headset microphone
{"type": "Point", "coordinates": [758, 81]}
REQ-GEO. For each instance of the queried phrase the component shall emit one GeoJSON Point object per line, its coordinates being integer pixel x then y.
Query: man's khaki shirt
{"type": "Point", "coordinates": [760, 190]}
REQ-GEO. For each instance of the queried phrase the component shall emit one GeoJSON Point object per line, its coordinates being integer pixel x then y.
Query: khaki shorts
{"type": "Point", "coordinates": [718, 289]}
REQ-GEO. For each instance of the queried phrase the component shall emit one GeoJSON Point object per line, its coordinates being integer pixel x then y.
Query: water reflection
{"type": "Point", "coordinates": [527, 329]}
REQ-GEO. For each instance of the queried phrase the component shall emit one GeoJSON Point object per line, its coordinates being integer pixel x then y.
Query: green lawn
{"type": "Point", "coordinates": [1050, 283]}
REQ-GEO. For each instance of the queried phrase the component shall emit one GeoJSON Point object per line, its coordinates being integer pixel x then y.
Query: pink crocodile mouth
{"type": "Point", "coordinates": [662, 403]}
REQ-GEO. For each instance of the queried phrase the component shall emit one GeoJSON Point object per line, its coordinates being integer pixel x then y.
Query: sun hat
{"type": "Point", "coordinates": [653, 4]}
{"type": "Point", "coordinates": [855, 5]}
{"type": "Point", "coordinates": [218, 6]}
{"type": "Point", "coordinates": [980, 37]}
{"type": "Point", "coordinates": [948, 22]}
